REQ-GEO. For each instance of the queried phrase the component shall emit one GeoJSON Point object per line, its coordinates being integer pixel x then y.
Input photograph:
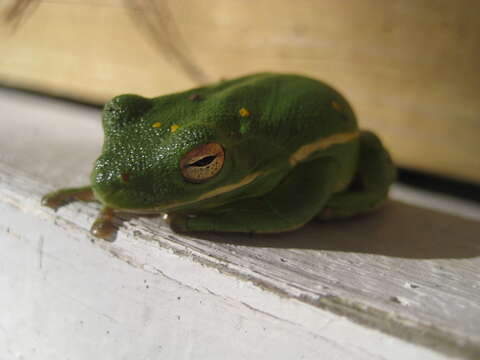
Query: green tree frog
{"type": "Point", "coordinates": [264, 153]}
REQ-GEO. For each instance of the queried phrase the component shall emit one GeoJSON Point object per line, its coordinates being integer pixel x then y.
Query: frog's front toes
{"type": "Point", "coordinates": [103, 226]}
{"type": "Point", "coordinates": [58, 198]}
{"type": "Point", "coordinates": [53, 200]}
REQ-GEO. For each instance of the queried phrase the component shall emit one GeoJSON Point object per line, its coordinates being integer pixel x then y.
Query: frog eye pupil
{"type": "Point", "coordinates": [204, 161]}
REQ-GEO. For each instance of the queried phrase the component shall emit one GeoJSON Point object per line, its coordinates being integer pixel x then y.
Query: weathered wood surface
{"type": "Point", "coordinates": [410, 68]}
{"type": "Point", "coordinates": [149, 297]}
{"type": "Point", "coordinates": [406, 271]}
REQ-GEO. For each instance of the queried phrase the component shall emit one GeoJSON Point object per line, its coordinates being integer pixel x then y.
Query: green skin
{"type": "Point", "coordinates": [292, 149]}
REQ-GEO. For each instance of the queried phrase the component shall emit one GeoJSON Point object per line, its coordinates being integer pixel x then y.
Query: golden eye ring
{"type": "Point", "coordinates": [202, 163]}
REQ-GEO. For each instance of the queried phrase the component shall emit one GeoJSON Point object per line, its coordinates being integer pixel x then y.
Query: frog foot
{"type": "Point", "coordinates": [58, 198]}
{"type": "Point", "coordinates": [103, 226]}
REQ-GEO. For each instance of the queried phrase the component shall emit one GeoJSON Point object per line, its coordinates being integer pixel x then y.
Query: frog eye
{"type": "Point", "coordinates": [202, 163]}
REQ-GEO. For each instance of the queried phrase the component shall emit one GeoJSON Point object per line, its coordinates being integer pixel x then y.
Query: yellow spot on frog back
{"type": "Point", "coordinates": [157, 124]}
{"type": "Point", "coordinates": [244, 112]}
{"type": "Point", "coordinates": [174, 128]}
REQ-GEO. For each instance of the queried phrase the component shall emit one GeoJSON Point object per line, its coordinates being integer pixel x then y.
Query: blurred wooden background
{"type": "Point", "coordinates": [410, 68]}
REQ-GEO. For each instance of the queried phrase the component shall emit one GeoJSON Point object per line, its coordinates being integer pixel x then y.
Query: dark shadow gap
{"type": "Point", "coordinates": [439, 184]}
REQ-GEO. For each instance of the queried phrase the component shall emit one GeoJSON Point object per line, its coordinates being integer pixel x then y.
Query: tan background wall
{"type": "Point", "coordinates": [410, 68]}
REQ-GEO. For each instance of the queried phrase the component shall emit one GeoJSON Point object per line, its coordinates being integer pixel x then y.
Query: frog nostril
{"type": "Point", "coordinates": [125, 177]}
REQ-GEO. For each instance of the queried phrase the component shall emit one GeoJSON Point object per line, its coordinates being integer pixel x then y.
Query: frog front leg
{"type": "Point", "coordinates": [294, 202]}
{"type": "Point", "coordinates": [103, 226]}
{"type": "Point", "coordinates": [61, 197]}
{"type": "Point", "coordinates": [369, 189]}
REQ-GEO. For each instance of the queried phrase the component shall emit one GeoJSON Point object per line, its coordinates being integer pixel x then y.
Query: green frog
{"type": "Point", "coordinates": [263, 153]}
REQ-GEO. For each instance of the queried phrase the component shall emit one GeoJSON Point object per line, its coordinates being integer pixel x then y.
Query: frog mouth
{"type": "Point", "coordinates": [210, 195]}
{"type": "Point", "coordinates": [122, 199]}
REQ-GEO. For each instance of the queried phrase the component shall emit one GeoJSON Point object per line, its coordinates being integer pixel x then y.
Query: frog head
{"type": "Point", "coordinates": [166, 153]}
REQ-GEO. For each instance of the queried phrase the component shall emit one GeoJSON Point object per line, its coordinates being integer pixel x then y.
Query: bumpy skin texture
{"type": "Point", "coordinates": [292, 151]}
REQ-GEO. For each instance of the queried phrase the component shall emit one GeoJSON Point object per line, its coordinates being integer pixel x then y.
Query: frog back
{"type": "Point", "coordinates": [286, 110]}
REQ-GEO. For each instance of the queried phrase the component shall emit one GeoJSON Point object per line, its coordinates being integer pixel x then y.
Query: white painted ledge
{"type": "Point", "coordinates": [403, 284]}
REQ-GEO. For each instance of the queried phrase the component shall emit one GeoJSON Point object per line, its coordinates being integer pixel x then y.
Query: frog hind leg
{"type": "Point", "coordinates": [293, 202]}
{"type": "Point", "coordinates": [369, 190]}
{"type": "Point", "coordinates": [61, 197]}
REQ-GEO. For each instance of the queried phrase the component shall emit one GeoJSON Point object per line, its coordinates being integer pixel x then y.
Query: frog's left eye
{"type": "Point", "coordinates": [202, 163]}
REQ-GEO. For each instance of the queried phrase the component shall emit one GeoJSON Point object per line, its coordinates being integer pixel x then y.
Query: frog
{"type": "Point", "coordinates": [262, 153]}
